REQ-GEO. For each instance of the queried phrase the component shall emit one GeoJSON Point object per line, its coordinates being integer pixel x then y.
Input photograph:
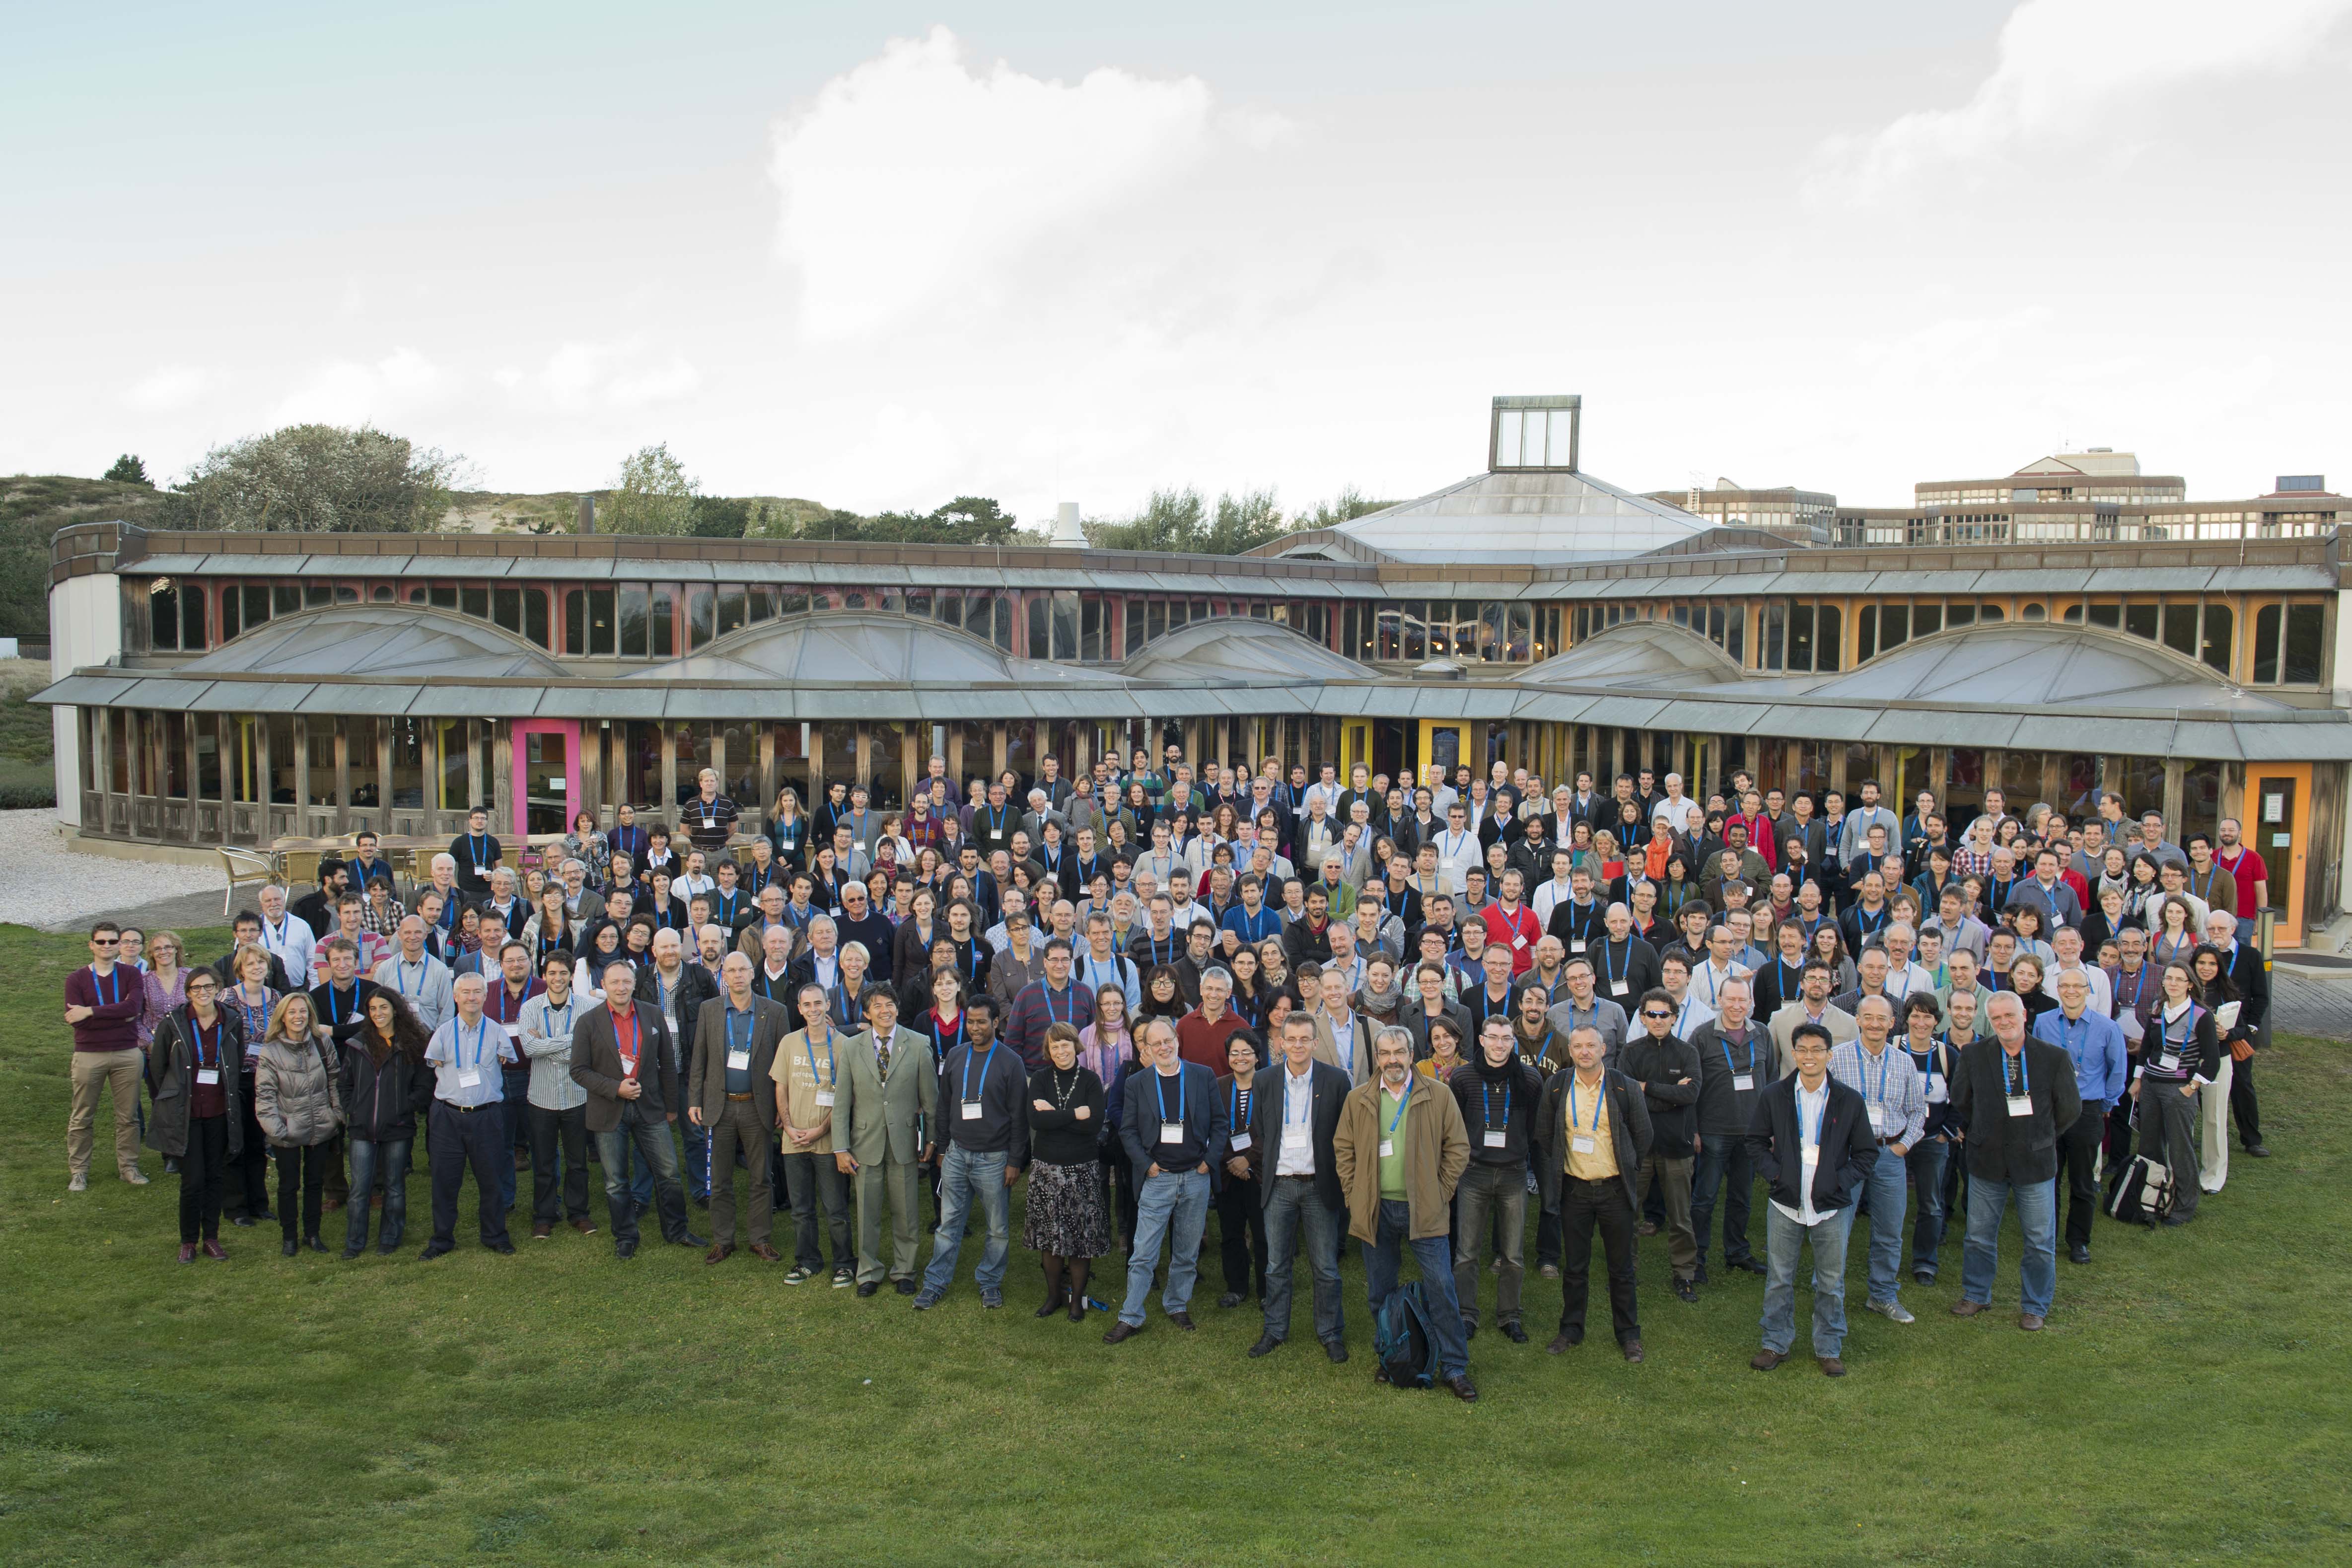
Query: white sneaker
{"type": "Point", "coordinates": [77, 1183]}
{"type": "Point", "coordinates": [1893, 1312]}
{"type": "Point", "coordinates": [135, 1176]}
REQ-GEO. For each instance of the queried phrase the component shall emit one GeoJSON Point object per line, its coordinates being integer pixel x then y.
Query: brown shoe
{"type": "Point", "coordinates": [766, 1254]}
{"type": "Point", "coordinates": [1964, 1308]}
{"type": "Point", "coordinates": [583, 1226]}
{"type": "Point", "coordinates": [1831, 1366]}
{"type": "Point", "coordinates": [213, 1251]}
{"type": "Point", "coordinates": [1561, 1344]}
{"type": "Point", "coordinates": [2029, 1322]}
{"type": "Point", "coordinates": [187, 1252]}
{"type": "Point", "coordinates": [540, 1229]}
{"type": "Point", "coordinates": [1633, 1349]}
{"type": "Point", "coordinates": [1120, 1333]}
{"type": "Point", "coordinates": [1765, 1360]}
{"type": "Point", "coordinates": [720, 1251]}
{"type": "Point", "coordinates": [331, 1205]}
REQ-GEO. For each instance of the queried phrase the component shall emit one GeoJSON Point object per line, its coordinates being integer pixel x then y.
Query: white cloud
{"type": "Point", "coordinates": [173, 386]}
{"type": "Point", "coordinates": [2068, 70]}
{"type": "Point", "coordinates": [627, 373]}
{"type": "Point", "coordinates": [919, 176]}
{"type": "Point", "coordinates": [349, 391]}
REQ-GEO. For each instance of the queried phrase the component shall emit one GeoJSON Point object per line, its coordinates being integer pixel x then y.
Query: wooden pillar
{"type": "Point", "coordinates": [429, 767]}
{"type": "Point", "coordinates": [343, 779]}
{"type": "Point", "coordinates": [996, 750]}
{"type": "Point", "coordinates": [2174, 788]}
{"type": "Point", "coordinates": [955, 763]}
{"type": "Point", "coordinates": [768, 785]}
{"type": "Point", "coordinates": [385, 730]}
{"type": "Point", "coordinates": [668, 802]}
{"type": "Point", "coordinates": [301, 775]}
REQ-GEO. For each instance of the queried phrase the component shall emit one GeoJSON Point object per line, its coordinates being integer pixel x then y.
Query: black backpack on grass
{"type": "Point", "coordinates": [1407, 1351]}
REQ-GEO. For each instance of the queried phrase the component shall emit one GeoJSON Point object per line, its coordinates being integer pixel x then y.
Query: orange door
{"type": "Point", "coordinates": [2278, 818]}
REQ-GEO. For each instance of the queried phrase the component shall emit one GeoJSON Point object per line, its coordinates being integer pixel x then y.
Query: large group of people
{"type": "Point", "coordinates": [1395, 1013]}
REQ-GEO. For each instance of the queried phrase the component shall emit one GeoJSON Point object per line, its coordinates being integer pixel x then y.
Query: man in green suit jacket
{"type": "Point", "coordinates": [730, 1094]}
{"type": "Point", "coordinates": [889, 1103]}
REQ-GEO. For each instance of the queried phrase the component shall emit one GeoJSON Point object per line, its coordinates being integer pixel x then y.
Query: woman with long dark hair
{"type": "Point", "coordinates": [194, 1080]}
{"type": "Point", "coordinates": [384, 1086]}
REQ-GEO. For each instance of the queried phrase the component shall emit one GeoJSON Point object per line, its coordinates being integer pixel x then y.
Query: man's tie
{"type": "Point", "coordinates": [882, 1056]}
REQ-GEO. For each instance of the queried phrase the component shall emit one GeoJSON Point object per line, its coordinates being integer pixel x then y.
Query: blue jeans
{"type": "Point", "coordinates": [2037, 1216]}
{"type": "Point", "coordinates": [392, 1157]}
{"type": "Point", "coordinates": [963, 1176]}
{"type": "Point", "coordinates": [636, 1177]}
{"type": "Point", "coordinates": [651, 1139]}
{"type": "Point", "coordinates": [1783, 1238]}
{"type": "Point", "coordinates": [1385, 1257]}
{"type": "Point", "coordinates": [1882, 1199]}
{"type": "Point", "coordinates": [697, 1160]}
{"type": "Point", "coordinates": [1722, 1168]}
{"type": "Point", "coordinates": [514, 1115]}
{"type": "Point", "coordinates": [1927, 1160]}
{"type": "Point", "coordinates": [1172, 1206]}
{"type": "Point", "coordinates": [1292, 1209]}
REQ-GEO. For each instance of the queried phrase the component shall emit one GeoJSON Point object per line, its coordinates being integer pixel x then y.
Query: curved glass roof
{"type": "Point", "coordinates": [1231, 647]}
{"type": "Point", "coordinates": [1545, 518]}
{"type": "Point", "coordinates": [2016, 666]}
{"type": "Point", "coordinates": [1637, 653]}
{"type": "Point", "coordinates": [851, 649]}
{"type": "Point", "coordinates": [405, 640]}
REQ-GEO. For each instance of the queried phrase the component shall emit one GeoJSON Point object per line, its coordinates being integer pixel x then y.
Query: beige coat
{"type": "Point", "coordinates": [1436, 1153]}
{"type": "Point", "coordinates": [294, 1093]}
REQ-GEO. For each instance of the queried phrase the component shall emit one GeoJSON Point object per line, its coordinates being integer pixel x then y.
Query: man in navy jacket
{"type": "Point", "coordinates": [1812, 1143]}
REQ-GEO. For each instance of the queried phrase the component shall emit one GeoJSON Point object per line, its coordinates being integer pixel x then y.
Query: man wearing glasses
{"type": "Point", "coordinates": [102, 1003]}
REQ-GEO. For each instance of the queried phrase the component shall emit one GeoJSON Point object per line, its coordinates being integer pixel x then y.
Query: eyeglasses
{"type": "Point", "coordinates": [106, 942]}
{"type": "Point", "coordinates": [1653, 1013]}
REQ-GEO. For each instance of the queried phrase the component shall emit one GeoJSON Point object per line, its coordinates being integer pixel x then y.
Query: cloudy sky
{"type": "Point", "coordinates": [879, 255]}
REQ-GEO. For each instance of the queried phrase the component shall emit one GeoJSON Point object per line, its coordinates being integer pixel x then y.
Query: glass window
{"type": "Point", "coordinates": [1093, 628]}
{"type": "Point", "coordinates": [1388, 632]}
{"type": "Point", "coordinates": [1021, 748]}
{"type": "Point", "coordinates": [360, 743]}
{"type": "Point", "coordinates": [791, 765]}
{"type": "Point", "coordinates": [1894, 626]}
{"type": "Point", "coordinates": [381, 594]}
{"type": "Point", "coordinates": [1521, 646]}
{"type": "Point", "coordinates": [764, 605]}
{"type": "Point", "coordinates": [1961, 615]}
{"type": "Point", "coordinates": [349, 593]}
{"type": "Point", "coordinates": [839, 740]}
{"type": "Point", "coordinates": [795, 602]}
{"type": "Point", "coordinates": [232, 620]}
{"type": "Point", "coordinates": [701, 613]}
{"type": "Point", "coordinates": [1800, 636]}
{"type": "Point", "coordinates": [444, 595]}
{"type": "Point", "coordinates": [1776, 622]}
{"type": "Point", "coordinates": [175, 755]}
{"type": "Point", "coordinates": [208, 768]}
{"type": "Point", "coordinates": [575, 621]}
{"type": "Point", "coordinates": [1735, 633]}
{"type": "Point", "coordinates": [1039, 632]}
{"type": "Point", "coordinates": [1440, 631]}
{"type": "Point", "coordinates": [734, 609]}
{"type": "Point", "coordinates": [1066, 624]}
{"type": "Point", "coordinates": [193, 619]}
{"type": "Point", "coordinates": [1002, 632]}
{"type": "Point", "coordinates": [1993, 613]}
{"type": "Point", "coordinates": [2180, 626]}
{"type": "Point", "coordinates": [601, 619]}
{"type": "Point", "coordinates": [635, 612]}
{"type": "Point", "coordinates": [407, 764]}
{"type": "Point", "coordinates": [2217, 646]}
{"type": "Point", "coordinates": [1508, 424]}
{"type": "Point", "coordinates": [918, 602]}
{"type": "Point", "coordinates": [1416, 632]}
{"type": "Point", "coordinates": [457, 763]}
{"type": "Point", "coordinates": [2108, 616]}
{"type": "Point", "coordinates": [1180, 611]}
{"type": "Point", "coordinates": [285, 598]}
{"type": "Point", "coordinates": [506, 608]}
{"type": "Point", "coordinates": [2301, 662]}
{"type": "Point", "coordinates": [317, 593]}
{"type": "Point", "coordinates": [319, 736]}
{"type": "Point", "coordinates": [1156, 619]}
{"type": "Point", "coordinates": [1866, 634]}
{"type": "Point", "coordinates": [534, 615]}
{"type": "Point", "coordinates": [1829, 645]}
{"type": "Point", "coordinates": [1492, 619]}
{"type": "Point", "coordinates": [1135, 624]}
{"type": "Point", "coordinates": [281, 760]}
{"type": "Point", "coordinates": [163, 616]}
{"type": "Point", "coordinates": [661, 634]}
{"type": "Point", "coordinates": [2140, 618]}
{"type": "Point", "coordinates": [2266, 638]}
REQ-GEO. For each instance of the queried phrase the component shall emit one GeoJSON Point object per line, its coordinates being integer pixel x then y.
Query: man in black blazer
{"type": "Point", "coordinates": [1589, 1181]}
{"type": "Point", "coordinates": [1812, 1143]}
{"type": "Point", "coordinates": [2244, 967]}
{"type": "Point", "coordinates": [1296, 1111]}
{"type": "Point", "coordinates": [623, 1055]}
{"type": "Point", "coordinates": [732, 1097]}
{"type": "Point", "coordinates": [2009, 1098]}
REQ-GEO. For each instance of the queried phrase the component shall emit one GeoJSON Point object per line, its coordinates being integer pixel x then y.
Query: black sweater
{"type": "Point", "coordinates": [1497, 1099]}
{"type": "Point", "coordinates": [1058, 1137]}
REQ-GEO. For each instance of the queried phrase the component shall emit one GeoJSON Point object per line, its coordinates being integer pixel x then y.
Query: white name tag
{"type": "Point", "coordinates": [1520, 940]}
{"type": "Point", "coordinates": [737, 1062]}
{"type": "Point", "coordinates": [1387, 1149]}
{"type": "Point", "coordinates": [1239, 1142]}
{"type": "Point", "coordinates": [972, 1110]}
{"type": "Point", "coordinates": [1811, 1157]}
{"type": "Point", "coordinates": [1576, 947]}
{"type": "Point", "coordinates": [1493, 1139]}
{"type": "Point", "coordinates": [1294, 1138]}
{"type": "Point", "coordinates": [1618, 988]}
{"type": "Point", "coordinates": [2020, 1105]}
{"type": "Point", "coordinates": [514, 1032]}
{"type": "Point", "coordinates": [1936, 1087]}
{"type": "Point", "coordinates": [2168, 1061]}
{"type": "Point", "coordinates": [2132, 1027]}
{"type": "Point", "coordinates": [469, 1078]}
{"type": "Point", "coordinates": [1878, 1119]}
{"type": "Point", "coordinates": [208, 1075]}
{"type": "Point", "coordinates": [1743, 1081]}
{"type": "Point", "coordinates": [1582, 1143]}
{"type": "Point", "coordinates": [1172, 1132]}
{"type": "Point", "coordinates": [824, 1097]}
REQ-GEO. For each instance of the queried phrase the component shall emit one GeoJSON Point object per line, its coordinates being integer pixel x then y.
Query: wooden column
{"type": "Point", "coordinates": [385, 732]}
{"type": "Point", "coordinates": [2174, 788]}
{"type": "Point", "coordinates": [668, 802]}
{"type": "Point", "coordinates": [343, 779]}
{"type": "Point", "coordinates": [767, 771]}
{"type": "Point", "coordinates": [302, 774]}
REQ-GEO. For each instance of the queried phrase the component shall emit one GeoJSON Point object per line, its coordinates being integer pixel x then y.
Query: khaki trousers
{"type": "Point", "coordinates": [94, 1071]}
{"type": "Point", "coordinates": [738, 1125]}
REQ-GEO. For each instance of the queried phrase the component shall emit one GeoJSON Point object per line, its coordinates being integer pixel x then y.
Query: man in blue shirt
{"type": "Point", "coordinates": [1251, 922]}
{"type": "Point", "coordinates": [2102, 1074]}
{"type": "Point", "coordinates": [467, 1127]}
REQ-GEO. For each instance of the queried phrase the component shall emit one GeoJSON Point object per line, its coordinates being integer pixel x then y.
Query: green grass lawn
{"type": "Point", "coordinates": [2187, 1404]}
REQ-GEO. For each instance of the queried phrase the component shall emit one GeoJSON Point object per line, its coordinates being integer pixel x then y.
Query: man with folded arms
{"type": "Point", "coordinates": [731, 1096]}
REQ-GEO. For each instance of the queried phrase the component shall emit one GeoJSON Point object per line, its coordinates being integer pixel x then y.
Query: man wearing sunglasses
{"type": "Point", "coordinates": [1664, 1067]}
{"type": "Point", "coordinates": [102, 1003]}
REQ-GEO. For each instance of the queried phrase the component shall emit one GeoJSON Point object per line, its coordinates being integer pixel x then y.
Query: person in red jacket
{"type": "Point", "coordinates": [1511, 925]}
{"type": "Point", "coordinates": [103, 1001]}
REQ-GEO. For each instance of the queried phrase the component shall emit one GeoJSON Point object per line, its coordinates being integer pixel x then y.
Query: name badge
{"type": "Point", "coordinates": [1172, 1132]}
{"type": "Point", "coordinates": [2168, 1061]}
{"type": "Point", "coordinates": [1811, 1157]}
{"type": "Point", "coordinates": [1575, 946]}
{"type": "Point", "coordinates": [972, 1110]}
{"type": "Point", "coordinates": [2020, 1105]}
{"type": "Point", "coordinates": [469, 1078]}
{"type": "Point", "coordinates": [824, 1097]}
{"type": "Point", "coordinates": [1741, 1082]}
{"type": "Point", "coordinates": [2132, 1027]}
{"type": "Point", "coordinates": [1239, 1142]}
{"type": "Point", "coordinates": [1582, 1143]}
{"type": "Point", "coordinates": [737, 1062]}
{"type": "Point", "coordinates": [1878, 1119]}
{"type": "Point", "coordinates": [1936, 1086]}
{"type": "Point", "coordinates": [1519, 941]}
{"type": "Point", "coordinates": [208, 1075]}
{"type": "Point", "coordinates": [1495, 1139]}
{"type": "Point", "coordinates": [1619, 987]}
{"type": "Point", "coordinates": [1294, 1138]}
{"type": "Point", "coordinates": [514, 1033]}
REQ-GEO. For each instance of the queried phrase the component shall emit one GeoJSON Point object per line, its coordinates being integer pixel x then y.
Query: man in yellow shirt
{"type": "Point", "coordinates": [1594, 1128]}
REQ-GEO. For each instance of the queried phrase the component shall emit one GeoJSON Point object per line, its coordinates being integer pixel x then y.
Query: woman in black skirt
{"type": "Point", "coordinates": [1067, 1221]}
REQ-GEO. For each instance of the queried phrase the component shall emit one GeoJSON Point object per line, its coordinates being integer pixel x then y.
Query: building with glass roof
{"type": "Point", "coordinates": [237, 688]}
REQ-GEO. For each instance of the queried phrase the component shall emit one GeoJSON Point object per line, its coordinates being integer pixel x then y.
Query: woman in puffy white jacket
{"type": "Point", "coordinates": [300, 1108]}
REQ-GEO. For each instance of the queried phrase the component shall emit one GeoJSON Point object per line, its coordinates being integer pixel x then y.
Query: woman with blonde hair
{"type": "Point", "coordinates": [254, 1002]}
{"type": "Point", "coordinates": [787, 828]}
{"type": "Point", "coordinates": [297, 1102]}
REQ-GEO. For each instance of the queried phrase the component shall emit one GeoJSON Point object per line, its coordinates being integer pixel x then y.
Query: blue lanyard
{"type": "Point", "coordinates": [197, 1032]}
{"type": "Point", "coordinates": [479, 849]}
{"type": "Point", "coordinates": [1820, 1116]}
{"type": "Point", "coordinates": [1401, 1100]}
{"type": "Point", "coordinates": [1616, 975]}
{"type": "Point", "coordinates": [1600, 1092]}
{"type": "Point", "coordinates": [1233, 1103]}
{"type": "Point", "coordinates": [1750, 1042]}
{"type": "Point", "coordinates": [1050, 1018]}
{"type": "Point", "coordinates": [1305, 1098]}
{"type": "Point", "coordinates": [399, 976]}
{"type": "Point", "coordinates": [733, 1014]}
{"type": "Point", "coordinates": [2024, 1076]}
{"type": "Point", "coordinates": [2068, 1029]}
{"type": "Point", "coordinates": [115, 985]}
{"type": "Point", "coordinates": [335, 1013]}
{"type": "Point", "coordinates": [1160, 1092]}
{"type": "Point", "coordinates": [831, 1061]}
{"type": "Point", "coordinates": [1486, 1109]}
{"type": "Point", "coordinates": [567, 1017]}
{"type": "Point", "coordinates": [457, 1042]}
{"type": "Point", "coordinates": [946, 1046]}
{"type": "Point", "coordinates": [848, 1008]}
{"type": "Point", "coordinates": [986, 1062]}
{"type": "Point", "coordinates": [1885, 1066]}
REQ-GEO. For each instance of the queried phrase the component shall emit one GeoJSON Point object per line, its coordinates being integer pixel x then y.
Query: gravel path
{"type": "Point", "coordinates": [45, 885]}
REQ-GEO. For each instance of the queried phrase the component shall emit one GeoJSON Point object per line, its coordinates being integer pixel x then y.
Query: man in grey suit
{"type": "Point", "coordinates": [1813, 1005]}
{"type": "Point", "coordinates": [890, 1099]}
{"type": "Point", "coordinates": [730, 1094]}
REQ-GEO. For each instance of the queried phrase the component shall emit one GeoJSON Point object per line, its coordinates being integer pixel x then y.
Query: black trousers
{"type": "Point", "coordinates": [1240, 1233]}
{"type": "Point", "coordinates": [2243, 1109]}
{"type": "Point", "coordinates": [246, 1190]}
{"type": "Point", "coordinates": [301, 1181]}
{"type": "Point", "coordinates": [202, 1170]}
{"type": "Point", "coordinates": [1584, 1208]}
{"type": "Point", "coordinates": [551, 1130]}
{"type": "Point", "coordinates": [455, 1139]}
{"type": "Point", "coordinates": [2078, 1153]}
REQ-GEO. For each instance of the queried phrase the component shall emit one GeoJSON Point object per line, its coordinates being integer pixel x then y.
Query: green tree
{"type": "Point", "coordinates": [976, 521]}
{"type": "Point", "coordinates": [717, 517]}
{"type": "Point", "coordinates": [1348, 504]}
{"type": "Point", "coordinates": [653, 495]}
{"type": "Point", "coordinates": [128, 469]}
{"type": "Point", "coordinates": [318, 478]}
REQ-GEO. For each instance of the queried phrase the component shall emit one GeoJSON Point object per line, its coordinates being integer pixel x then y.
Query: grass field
{"type": "Point", "coordinates": [2187, 1404]}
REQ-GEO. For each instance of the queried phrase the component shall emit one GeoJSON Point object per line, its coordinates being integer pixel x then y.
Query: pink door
{"type": "Point", "coordinates": [546, 774]}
